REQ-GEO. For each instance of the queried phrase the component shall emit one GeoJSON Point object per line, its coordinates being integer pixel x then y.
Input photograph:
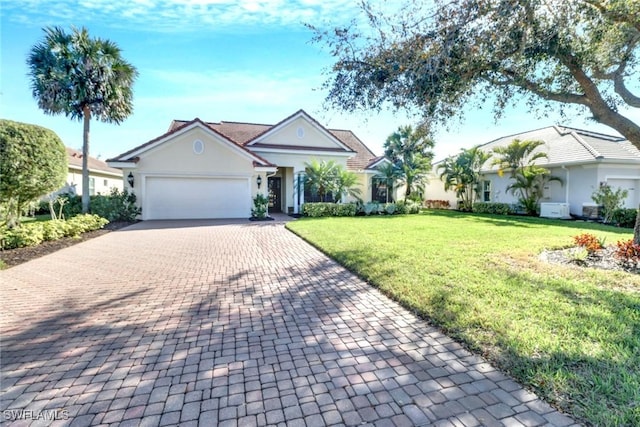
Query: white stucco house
{"type": "Point", "coordinates": [583, 160]}
{"type": "Point", "coordinates": [102, 178]}
{"type": "Point", "coordinates": [201, 169]}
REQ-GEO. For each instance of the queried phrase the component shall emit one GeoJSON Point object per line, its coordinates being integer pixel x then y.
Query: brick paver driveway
{"type": "Point", "coordinates": [211, 323]}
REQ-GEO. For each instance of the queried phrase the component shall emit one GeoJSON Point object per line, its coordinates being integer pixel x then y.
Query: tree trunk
{"type": "Point", "coordinates": [636, 229]}
{"type": "Point", "coordinates": [85, 160]}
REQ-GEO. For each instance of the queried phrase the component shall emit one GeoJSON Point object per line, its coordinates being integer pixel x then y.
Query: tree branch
{"type": "Point", "coordinates": [516, 80]}
{"type": "Point", "coordinates": [625, 94]}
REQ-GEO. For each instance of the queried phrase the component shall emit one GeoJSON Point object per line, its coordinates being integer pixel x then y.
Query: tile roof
{"type": "Point", "coordinates": [74, 159]}
{"type": "Point", "coordinates": [565, 145]}
{"type": "Point", "coordinates": [176, 126]}
{"type": "Point", "coordinates": [243, 133]}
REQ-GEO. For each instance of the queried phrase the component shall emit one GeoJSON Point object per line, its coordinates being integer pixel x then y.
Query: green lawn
{"type": "Point", "coordinates": [571, 334]}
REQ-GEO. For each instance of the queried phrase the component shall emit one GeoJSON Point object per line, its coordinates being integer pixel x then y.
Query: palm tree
{"type": "Point", "coordinates": [346, 184]}
{"type": "Point", "coordinates": [517, 155]}
{"type": "Point", "coordinates": [410, 151]}
{"type": "Point", "coordinates": [463, 174]}
{"type": "Point", "coordinates": [520, 157]}
{"type": "Point", "coordinates": [529, 186]}
{"type": "Point", "coordinates": [320, 178]}
{"type": "Point", "coordinates": [388, 174]}
{"type": "Point", "coordinates": [81, 77]}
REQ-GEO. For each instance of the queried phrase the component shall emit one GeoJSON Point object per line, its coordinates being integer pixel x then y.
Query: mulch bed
{"type": "Point", "coordinates": [603, 259]}
{"type": "Point", "coordinates": [13, 257]}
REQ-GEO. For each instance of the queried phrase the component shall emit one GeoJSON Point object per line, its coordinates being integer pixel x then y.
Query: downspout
{"type": "Point", "coordinates": [566, 188]}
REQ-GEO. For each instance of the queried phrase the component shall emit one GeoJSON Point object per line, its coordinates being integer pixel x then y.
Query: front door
{"type": "Point", "coordinates": [275, 194]}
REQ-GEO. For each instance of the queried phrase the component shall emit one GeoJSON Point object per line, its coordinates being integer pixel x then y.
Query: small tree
{"type": "Point", "coordinates": [346, 184]}
{"type": "Point", "coordinates": [33, 162]}
{"type": "Point", "coordinates": [320, 178]}
{"type": "Point", "coordinates": [410, 151]}
{"type": "Point", "coordinates": [388, 174]}
{"type": "Point", "coordinates": [519, 157]}
{"type": "Point", "coordinates": [463, 174]}
{"type": "Point", "coordinates": [609, 200]}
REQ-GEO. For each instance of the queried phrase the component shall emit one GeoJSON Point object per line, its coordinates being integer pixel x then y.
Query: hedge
{"type": "Point", "coordinates": [493, 208]}
{"type": "Point", "coordinates": [321, 209]}
{"type": "Point", "coordinates": [624, 217]}
{"type": "Point", "coordinates": [34, 233]}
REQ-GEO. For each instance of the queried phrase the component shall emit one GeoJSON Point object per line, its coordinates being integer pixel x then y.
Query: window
{"type": "Point", "coordinates": [92, 186]}
{"type": "Point", "coordinates": [486, 191]}
{"type": "Point", "coordinates": [379, 191]}
{"type": "Point", "coordinates": [198, 146]}
{"type": "Point", "coordinates": [106, 183]}
{"type": "Point", "coordinates": [311, 196]}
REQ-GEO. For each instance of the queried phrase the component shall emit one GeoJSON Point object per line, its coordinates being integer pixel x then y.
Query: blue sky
{"type": "Point", "coordinates": [231, 60]}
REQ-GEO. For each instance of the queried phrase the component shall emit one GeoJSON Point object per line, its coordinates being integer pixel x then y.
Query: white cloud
{"type": "Point", "coordinates": [181, 15]}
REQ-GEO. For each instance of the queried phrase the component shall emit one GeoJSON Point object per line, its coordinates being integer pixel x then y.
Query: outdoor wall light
{"type": "Point", "coordinates": [259, 181]}
{"type": "Point", "coordinates": [130, 179]}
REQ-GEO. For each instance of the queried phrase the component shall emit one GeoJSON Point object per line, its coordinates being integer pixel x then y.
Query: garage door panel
{"type": "Point", "coordinates": [192, 198]}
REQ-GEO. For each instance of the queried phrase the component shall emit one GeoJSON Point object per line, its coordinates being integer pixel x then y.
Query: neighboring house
{"type": "Point", "coordinates": [584, 161]}
{"type": "Point", "coordinates": [200, 169]}
{"type": "Point", "coordinates": [102, 178]}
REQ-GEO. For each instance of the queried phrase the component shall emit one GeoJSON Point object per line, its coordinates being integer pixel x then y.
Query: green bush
{"type": "Point", "coordinates": [33, 162]}
{"type": "Point", "coordinates": [493, 208]}
{"type": "Point", "coordinates": [371, 208]}
{"type": "Point", "coordinates": [407, 207]}
{"type": "Point", "coordinates": [624, 217]}
{"type": "Point", "coordinates": [260, 205]}
{"type": "Point", "coordinates": [54, 229]}
{"type": "Point", "coordinates": [322, 209]}
{"type": "Point", "coordinates": [117, 206]}
{"type": "Point", "coordinates": [31, 234]}
{"type": "Point", "coordinates": [390, 208]}
{"type": "Point", "coordinates": [34, 233]}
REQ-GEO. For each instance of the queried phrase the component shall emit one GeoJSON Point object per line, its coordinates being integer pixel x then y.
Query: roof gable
{"type": "Point", "coordinates": [179, 128]}
{"type": "Point", "coordinates": [255, 136]}
{"type": "Point", "coordinates": [298, 131]}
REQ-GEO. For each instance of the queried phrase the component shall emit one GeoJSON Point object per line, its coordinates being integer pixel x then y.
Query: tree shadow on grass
{"type": "Point", "coordinates": [528, 221]}
{"type": "Point", "coordinates": [305, 333]}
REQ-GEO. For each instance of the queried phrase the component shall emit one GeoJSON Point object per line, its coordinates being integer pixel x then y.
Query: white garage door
{"type": "Point", "coordinates": [190, 198]}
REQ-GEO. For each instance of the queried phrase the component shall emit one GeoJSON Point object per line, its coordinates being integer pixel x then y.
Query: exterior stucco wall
{"type": "Point", "coordinates": [176, 157]}
{"type": "Point", "coordinates": [627, 178]}
{"type": "Point", "coordinates": [300, 133]}
{"type": "Point", "coordinates": [103, 183]}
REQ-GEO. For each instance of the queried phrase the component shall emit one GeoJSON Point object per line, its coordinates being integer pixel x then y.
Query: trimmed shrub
{"type": "Point", "coordinates": [34, 233]}
{"type": "Point", "coordinates": [33, 162]}
{"type": "Point", "coordinates": [407, 207]}
{"type": "Point", "coordinates": [117, 206]}
{"type": "Point", "coordinates": [322, 209]}
{"type": "Point", "coordinates": [390, 208]}
{"type": "Point", "coordinates": [371, 208]}
{"type": "Point", "coordinates": [624, 217]}
{"type": "Point", "coordinates": [493, 208]}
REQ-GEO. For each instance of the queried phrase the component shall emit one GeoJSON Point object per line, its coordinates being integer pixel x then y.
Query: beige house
{"type": "Point", "coordinates": [203, 169]}
{"type": "Point", "coordinates": [583, 160]}
{"type": "Point", "coordinates": [102, 178]}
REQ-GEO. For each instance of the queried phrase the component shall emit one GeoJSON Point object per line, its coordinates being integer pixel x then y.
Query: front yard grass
{"type": "Point", "coordinates": [571, 334]}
